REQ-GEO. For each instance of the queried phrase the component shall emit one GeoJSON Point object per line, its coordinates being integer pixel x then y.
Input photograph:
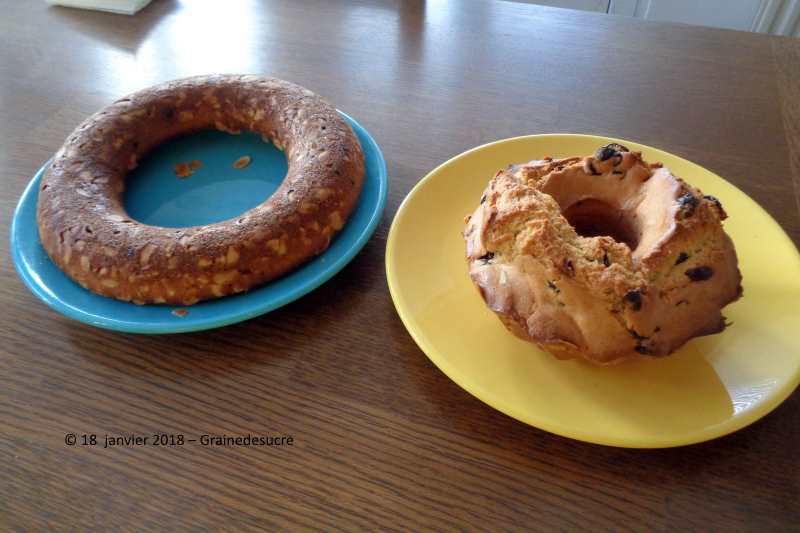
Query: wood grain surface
{"type": "Point", "coordinates": [382, 439]}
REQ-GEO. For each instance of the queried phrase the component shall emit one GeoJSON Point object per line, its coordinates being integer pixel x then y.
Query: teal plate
{"type": "Point", "coordinates": [216, 191]}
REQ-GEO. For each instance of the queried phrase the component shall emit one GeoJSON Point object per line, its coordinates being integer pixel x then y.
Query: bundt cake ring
{"type": "Point", "coordinates": [603, 257]}
{"type": "Point", "coordinates": [88, 234]}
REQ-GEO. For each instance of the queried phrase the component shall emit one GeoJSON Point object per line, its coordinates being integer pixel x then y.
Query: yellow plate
{"type": "Point", "coordinates": [711, 387]}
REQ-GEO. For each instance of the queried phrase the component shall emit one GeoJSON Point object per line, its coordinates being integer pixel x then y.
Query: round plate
{"type": "Point", "coordinates": [712, 386]}
{"type": "Point", "coordinates": [215, 191]}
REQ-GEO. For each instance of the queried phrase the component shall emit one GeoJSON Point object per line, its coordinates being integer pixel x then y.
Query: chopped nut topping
{"type": "Point", "coordinates": [242, 162]}
{"type": "Point", "coordinates": [183, 170]}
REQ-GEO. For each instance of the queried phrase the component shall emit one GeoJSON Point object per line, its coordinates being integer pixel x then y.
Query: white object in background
{"type": "Point", "coordinates": [734, 15]}
{"type": "Point", "coordinates": [777, 17]}
{"type": "Point", "coordinates": [599, 6]}
{"type": "Point", "coordinates": [126, 7]}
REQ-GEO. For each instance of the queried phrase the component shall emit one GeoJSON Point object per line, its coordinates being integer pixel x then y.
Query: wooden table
{"type": "Point", "coordinates": [382, 439]}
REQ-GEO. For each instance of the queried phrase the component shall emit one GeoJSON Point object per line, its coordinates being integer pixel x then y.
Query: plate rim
{"type": "Point", "coordinates": [233, 317]}
{"type": "Point", "coordinates": [729, 425]}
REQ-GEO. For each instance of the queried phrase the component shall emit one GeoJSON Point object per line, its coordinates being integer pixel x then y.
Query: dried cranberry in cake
{"type": "Point", "coordinates": [701, 273]}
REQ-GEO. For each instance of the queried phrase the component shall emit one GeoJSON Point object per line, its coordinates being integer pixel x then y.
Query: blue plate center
{"type": "Point", "coordinates": [214, 191]}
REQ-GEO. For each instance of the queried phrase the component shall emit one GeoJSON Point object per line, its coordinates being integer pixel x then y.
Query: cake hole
{"type": "Point", "coordinates": [214, 191]}
{"type": "Point", "coordinates": [594, 218]}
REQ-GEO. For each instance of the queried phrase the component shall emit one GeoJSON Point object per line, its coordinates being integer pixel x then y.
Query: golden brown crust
{"type": "Point", "coordinates": [662, 281]}
{"type": "Point", "coordinates": [86, 231]}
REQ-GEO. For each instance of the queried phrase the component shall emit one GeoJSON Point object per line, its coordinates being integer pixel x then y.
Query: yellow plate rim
{"type": "Point", "coordinates": [730, 425]}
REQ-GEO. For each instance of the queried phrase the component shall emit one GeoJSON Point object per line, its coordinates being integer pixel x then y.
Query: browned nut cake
{"type": "Point", "coordinates": [601, 257]}
{"type": "Point", "coordinates": [86, 231]}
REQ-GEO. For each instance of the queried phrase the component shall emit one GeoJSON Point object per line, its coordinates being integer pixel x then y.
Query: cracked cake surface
{"type": "Point", "coordinates": [603, 257]}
